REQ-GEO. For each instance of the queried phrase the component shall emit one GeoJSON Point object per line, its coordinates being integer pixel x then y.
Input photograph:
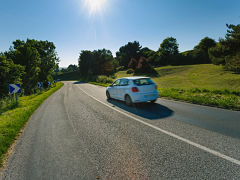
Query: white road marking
{"type": "Point", "coordinates": [204, 148]}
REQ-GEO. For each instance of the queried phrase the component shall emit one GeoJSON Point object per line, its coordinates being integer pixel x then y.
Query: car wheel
{"type": "Point", "coordinates": [128, 100]}
{"type": "Point", "coordinates": [153, 101]}
{"type": "Point", "coordinates": [108, 95]}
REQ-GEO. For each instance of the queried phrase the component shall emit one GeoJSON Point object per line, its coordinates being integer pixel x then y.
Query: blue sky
{"type": "Point", "coordinates": [74, 26]}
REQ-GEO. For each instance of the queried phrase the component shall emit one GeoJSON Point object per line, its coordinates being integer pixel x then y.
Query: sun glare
{"type": "Point", "coordinates": [95, 6]}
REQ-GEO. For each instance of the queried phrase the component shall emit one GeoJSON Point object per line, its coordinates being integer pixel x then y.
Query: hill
{"type": "Point", "coordinates": [203, 76]}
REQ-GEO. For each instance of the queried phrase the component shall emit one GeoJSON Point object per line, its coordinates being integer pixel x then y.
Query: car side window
{"type": "Point", "coordinates": [116, 83]}
{"type": "Point", "coordinates": [124, 82]}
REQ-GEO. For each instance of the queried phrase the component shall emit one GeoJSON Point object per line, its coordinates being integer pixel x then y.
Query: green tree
{"type": "Point", "coordinates": [98, 62]}
{"type": "Point", "coordinates": [28, 56]}
{"type": "Point", "coordinates": [72, 67]}
{"type": "Point", "coordinates": [168, 52]}
{"type": "Point", "coordinates": [10, 73]}
{"type": "Point", "coordinates": [227, 50]}
{"type": "Point", "coordinates": [169, 46]}
{"type": "Point", "coordinates": [128, 51]}
{"type": "Point", "coordinates": [200, 53]}
{"type": "Point", "coordinates": [49, 58]}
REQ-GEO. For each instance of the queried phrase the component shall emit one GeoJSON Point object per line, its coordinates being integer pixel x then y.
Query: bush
{"type": "Point", "coordinates": [130, 71]}
{"type": "Point", "coordinates": [104, 80]}
{"type": "Point", "coordinates": [233, 63]}
{"type": "Point", "coordinates": [144, 66]}
{"type": "Point", "coordinates": [120, 68]}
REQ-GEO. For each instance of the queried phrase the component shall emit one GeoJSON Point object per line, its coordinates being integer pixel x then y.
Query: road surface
{"type": "Point", "coordinates": [78, 134]}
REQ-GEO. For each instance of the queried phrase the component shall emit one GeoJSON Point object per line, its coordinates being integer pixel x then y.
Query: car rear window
{"type": "Point", "coordinates": [143, 81]}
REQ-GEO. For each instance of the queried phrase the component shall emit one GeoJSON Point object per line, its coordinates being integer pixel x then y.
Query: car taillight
{"type": "Point", "coordinates": [135, 89]}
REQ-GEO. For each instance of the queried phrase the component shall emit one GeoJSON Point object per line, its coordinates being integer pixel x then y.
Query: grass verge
{"type": "Point", "coordinates": [218, 98]}
{"type": "Point", "coordinates": [12, 121]}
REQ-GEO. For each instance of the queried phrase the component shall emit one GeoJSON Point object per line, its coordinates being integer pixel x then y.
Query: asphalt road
{"type": "Point", "coordinates": [78, 134]}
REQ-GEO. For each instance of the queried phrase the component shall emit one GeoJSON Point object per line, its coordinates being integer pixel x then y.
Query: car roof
{"type": "Point", "coordinates": [133, 78]}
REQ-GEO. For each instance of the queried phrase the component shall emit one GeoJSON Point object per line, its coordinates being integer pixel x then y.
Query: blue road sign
{"type": "Point", "coordinates": [40, 85]}
{"type": "Point", "coordinates": [14, 88]}
{"type": "Point", "coordinates": [49, 83]}
{"type": "Point", "coordinates": [55, 81]}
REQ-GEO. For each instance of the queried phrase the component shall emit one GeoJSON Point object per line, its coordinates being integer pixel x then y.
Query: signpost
{"type": "Point", "coordinates": [40, 85]}
{"type": "Point", "coordinates": [15, 89]}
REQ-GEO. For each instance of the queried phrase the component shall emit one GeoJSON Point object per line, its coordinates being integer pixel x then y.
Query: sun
{"type": "Point", "coordinates": [95, 6]}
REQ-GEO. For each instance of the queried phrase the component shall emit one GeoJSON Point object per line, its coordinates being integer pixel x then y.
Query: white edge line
{"type": "Point", "coordinates": [204, 148]}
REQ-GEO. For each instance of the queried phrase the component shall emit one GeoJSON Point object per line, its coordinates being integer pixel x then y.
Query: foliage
{"type": "Point", "coordinates": [128, 51]}
{"type": "Point", "coordinates": [9, 73]}
{"type": "Point", "coordinates": [143, 66]}
{"type": "Point", "coordinates": [168, 52]}
{"type": "Point", "coordinates": [28, 56]}
{"type": "Point", "coordinates": [200, 52]}
{"type": "Point", "coordinates": [108, 68]}
{"type": "Point", "coordinates": [130, 71]}
{"type": "Point", "coordinates": [233, 63]}
{"type": "Point", "coordinates": [104, 79]}
{"type": "Point", "coordinates": [168, 47]}
{"type": "Point", "coordinates": [49, 60]}
{"type": "Point", "coordinates": [120, 68]}
{"type": "Point", "coordinates": [227, 50]}
{"type": "Point", "coordinates": [70, 68]}
{"type": "Point", "coordinates": [98, 62]}
{"type": "Point", "coordinates": [67, 76]}
{"type": "Point", "coordinates": [38, 58]}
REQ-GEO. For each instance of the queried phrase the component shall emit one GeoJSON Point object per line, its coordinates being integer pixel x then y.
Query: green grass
{"type": "Point", "coordinates": [13, 120]}
{"type": "Point", "coordinates": [204, 76]}
{"type": "Point", "coordinates": [218, 98]}
{"type": "Point", "coordinates": [99, 84]}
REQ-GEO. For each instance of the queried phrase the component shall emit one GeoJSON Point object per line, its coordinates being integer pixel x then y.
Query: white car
{"type": "Point", "coordinates": [133, 90]}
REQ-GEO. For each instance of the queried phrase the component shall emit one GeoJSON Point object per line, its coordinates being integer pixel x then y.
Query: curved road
{"type": "Point", "coordinates": [78, 134]}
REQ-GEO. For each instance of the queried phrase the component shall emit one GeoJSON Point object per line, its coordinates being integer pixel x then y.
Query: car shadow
{"type": "Point", "coordinates": [151, 111]}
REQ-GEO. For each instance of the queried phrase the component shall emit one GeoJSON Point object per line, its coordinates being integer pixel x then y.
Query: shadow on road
{"type": "Point", "coordinates": [146, 110]}
{"type": "Point", "coordinates": [79, 82]}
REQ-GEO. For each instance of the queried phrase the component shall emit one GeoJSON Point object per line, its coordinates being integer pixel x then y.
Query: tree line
{"type": "Point", "coordinates": [27, 63]}
{"type": "Point", "coordinates": [142, 59]}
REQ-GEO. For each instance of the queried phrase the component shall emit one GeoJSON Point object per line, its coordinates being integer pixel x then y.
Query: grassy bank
{"type": "Point", "coordinates": [217, 98]}
{"type": "Point", "coordinates": [13, 120]}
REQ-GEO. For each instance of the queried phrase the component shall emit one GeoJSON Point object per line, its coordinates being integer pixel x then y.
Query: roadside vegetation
{"type": "Point", "coordinates": [14, 116]}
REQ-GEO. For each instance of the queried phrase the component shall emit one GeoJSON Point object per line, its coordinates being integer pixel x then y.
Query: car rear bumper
{"type": "Point", "coordinates": [144, 97]}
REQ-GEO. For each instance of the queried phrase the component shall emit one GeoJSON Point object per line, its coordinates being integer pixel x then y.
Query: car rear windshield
{"type": "Point", "coordinates": [143, 81]}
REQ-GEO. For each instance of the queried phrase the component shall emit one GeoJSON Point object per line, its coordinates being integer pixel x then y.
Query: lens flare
{"type": "Point", "coordinates": [95, 6]}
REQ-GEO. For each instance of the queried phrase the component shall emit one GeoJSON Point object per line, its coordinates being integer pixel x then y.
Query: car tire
{"type": "Point", "coordinates": [108, 95]}
{"type": "Point", "coordinates": [153, 101]}
{"type": "Point", "coordinates": [128, 100]}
